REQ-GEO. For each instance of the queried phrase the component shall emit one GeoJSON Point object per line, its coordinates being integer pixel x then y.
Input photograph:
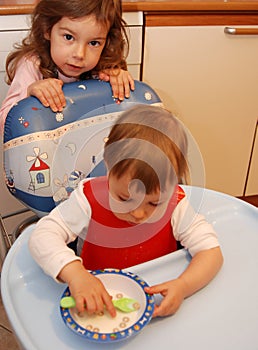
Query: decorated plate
{"type": "Point", "coordinates": [102, 327]}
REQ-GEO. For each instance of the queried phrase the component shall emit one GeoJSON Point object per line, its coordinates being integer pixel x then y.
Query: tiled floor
{"type": "Point", "coordinates": [8, 341]}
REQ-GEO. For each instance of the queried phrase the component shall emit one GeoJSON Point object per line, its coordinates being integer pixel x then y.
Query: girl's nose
{"type": "Point", "coordinates": [79, 52]}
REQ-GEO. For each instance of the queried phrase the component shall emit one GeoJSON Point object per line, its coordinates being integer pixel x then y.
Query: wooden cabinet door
{"type": "Point", "coordinates": [209, 79]}
{"type": "Point", "coordinates": [252, 174]}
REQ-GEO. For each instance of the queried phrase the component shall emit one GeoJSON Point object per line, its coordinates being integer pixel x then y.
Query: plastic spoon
{"type": "Point", "coordinates": [126, 304]}
{"type": "Point", "coordinates": [123, 304]}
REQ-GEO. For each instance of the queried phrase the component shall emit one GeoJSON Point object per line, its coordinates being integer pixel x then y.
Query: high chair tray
{"type": "Point", "coordinates": [223, 315]}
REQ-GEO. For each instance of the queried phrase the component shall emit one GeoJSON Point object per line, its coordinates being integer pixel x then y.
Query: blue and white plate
{"type": "Point", "coordinates": [103, 328]}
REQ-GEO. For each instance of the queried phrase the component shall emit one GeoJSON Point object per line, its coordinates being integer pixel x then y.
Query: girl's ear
{"type": "Point", "coordinates": [47, 35]}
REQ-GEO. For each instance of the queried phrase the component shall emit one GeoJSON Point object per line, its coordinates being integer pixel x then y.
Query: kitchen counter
{"type": "Point", "coordinates": [10, 7]}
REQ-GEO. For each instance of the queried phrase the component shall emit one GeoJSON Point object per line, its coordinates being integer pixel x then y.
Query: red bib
{"type": "Point", "coordinates": [114, 243]}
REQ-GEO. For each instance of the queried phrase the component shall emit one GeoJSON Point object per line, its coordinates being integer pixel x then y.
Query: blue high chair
{"type": "Point", "coordinates": [46, 154]}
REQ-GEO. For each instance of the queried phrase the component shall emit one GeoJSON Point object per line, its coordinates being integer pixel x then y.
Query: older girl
{"type": "Point", "coordinates": [68, 41]}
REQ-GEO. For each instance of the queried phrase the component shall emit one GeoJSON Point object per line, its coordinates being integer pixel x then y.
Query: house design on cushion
{"type": "Point", "coordinates": [39, 171]}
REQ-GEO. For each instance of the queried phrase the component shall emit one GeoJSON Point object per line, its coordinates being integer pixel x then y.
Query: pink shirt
{"type": "Point", "coordinates": [27, 72]}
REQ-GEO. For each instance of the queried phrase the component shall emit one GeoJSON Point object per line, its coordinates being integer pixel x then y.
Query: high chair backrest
{"type": "Point", "coordinates": [46, 154]}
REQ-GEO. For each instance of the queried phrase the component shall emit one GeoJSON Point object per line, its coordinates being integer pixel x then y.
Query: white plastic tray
{"type": "Point", "coordinates": [223, 315]}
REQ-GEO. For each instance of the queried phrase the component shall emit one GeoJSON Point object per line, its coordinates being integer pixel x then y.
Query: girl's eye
{"type": "Point", "coordinates": [94, 43]}
{"type": "Point", "coordinates": [68, 37]}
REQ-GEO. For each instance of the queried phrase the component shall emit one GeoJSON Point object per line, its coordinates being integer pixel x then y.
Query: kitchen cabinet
{"type": "Point", "coordinates": [12, 29]}
{"type": "Point", "coordinates": [252, 174]}
{"type": "Point", "coordinates": [209, 79]}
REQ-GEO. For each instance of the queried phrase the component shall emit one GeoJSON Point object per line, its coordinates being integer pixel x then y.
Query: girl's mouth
{"type": "Point", "coordinates": [73, 67]}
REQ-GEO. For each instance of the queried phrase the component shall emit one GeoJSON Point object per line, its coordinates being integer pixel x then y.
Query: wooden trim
{"type": "Point", "coordinates": [9, 7]}
{"type": "Point", "coordinates": [193, 5]}
{"type": "Point", "coordinates": [199, 19]}
{"type": "Point", "coordinates": [16, 9]}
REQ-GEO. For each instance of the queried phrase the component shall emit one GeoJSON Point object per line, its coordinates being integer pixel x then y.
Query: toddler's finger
{"type": "Point", "coordinates": [80, 304]}
{"type": "Point", "coordinates": [109, 305]}
{"type": "Point", "coordinates": [91, 306]}
{"type": "Point", "coordinates": [154, 289]}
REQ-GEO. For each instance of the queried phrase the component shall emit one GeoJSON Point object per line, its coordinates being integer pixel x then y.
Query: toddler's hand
{"type": "Point", "coordinates": [173, 293]}
{"type": "Point", "coordinates": [89, 292]}
{"type": "Point", "coordinates": [120, 80]}
{"type": "Point", "coordinates": [49, 92]}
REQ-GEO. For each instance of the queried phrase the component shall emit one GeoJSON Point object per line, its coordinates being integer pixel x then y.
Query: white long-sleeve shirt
{"type": "Point", "coordinates": [48, 242]}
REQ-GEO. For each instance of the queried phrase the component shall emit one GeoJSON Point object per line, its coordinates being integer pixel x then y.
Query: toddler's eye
{"type": "Point", "coordinates": [68, 37]}
{"type": "Point", "coordinates": [154, 204]}
{"type": "Point", "coordinates": [122, 199]}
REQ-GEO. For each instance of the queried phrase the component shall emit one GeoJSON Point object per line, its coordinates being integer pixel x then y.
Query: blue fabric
{"type": "Point", "coordinates": [46, 154]}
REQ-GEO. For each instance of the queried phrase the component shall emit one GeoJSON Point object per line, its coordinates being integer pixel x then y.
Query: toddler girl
{"type": "Point", "coordinates": [134, 214]}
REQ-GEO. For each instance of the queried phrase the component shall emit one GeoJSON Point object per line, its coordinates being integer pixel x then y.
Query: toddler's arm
{"type": "Point", "coordinates": [199, 237]}
{"type": "Point", "coordinates": [201, 270]}
{"type": "Point", "coordinates": [48, 246]}
{"type": "Point", "coordinates": [87, 290]}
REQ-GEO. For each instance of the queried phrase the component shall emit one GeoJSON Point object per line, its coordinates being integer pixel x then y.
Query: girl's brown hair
{"type": "Point", "coordinates": [150, 144]}
{"type": "Point", "coordinates": [48, 12]}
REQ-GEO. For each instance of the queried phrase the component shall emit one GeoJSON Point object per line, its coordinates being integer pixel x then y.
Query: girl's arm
{"type": "Point", "coordinates": [26, 73]}
{"type": "Point", "coordinates": [28, 81]}
{"type": "Point", "coordinates": [120, 80]}
{"type": "Point", "coordinates": [49, 92]}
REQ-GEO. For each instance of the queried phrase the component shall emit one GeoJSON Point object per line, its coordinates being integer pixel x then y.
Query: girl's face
{"type": "Point", "coordinates": [76, 44]}
{"type": "Point", "coordinates": [130, 204]}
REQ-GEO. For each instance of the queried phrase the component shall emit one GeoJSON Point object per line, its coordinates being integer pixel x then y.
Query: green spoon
{"type": "Point", "coordinates": [122, 304]}
{"type": "Point", "coordinates": [126, 304]}
{"type": "Point", "coordinates": [67, 302]}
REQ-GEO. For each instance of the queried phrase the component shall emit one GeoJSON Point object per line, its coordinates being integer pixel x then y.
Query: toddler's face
{"type": "Point", "coordinates": [130, 204]}
{"type": "Point", "coordinates": [76, 44]}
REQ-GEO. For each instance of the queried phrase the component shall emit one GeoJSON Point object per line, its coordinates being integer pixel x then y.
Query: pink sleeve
{"type": "Point", "coordinates": [27, 73]}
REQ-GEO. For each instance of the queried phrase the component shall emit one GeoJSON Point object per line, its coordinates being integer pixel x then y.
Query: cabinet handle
{"type": "Point", "coordinates": [241, 31]}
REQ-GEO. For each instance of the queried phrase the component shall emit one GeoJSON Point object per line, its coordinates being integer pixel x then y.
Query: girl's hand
{"type": "Point", "coordinates": [120, 80]}
{"type": "Point", "coordinates": [49, 92]}
{"type": "Point", "coordinates": [173, 293]}
{"type": "Point", "coordinates": [88, 291]}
